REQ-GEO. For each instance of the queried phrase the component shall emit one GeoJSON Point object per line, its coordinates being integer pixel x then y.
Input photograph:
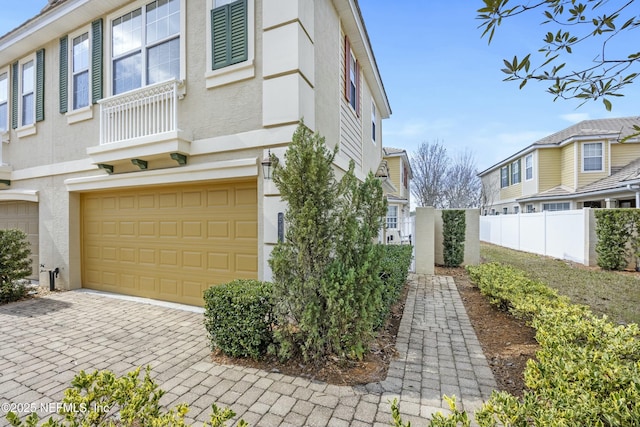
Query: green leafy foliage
{"type": "Point", "coordinates": [587, 372]}
{"type": "Point", "coordinates": [103, 399]}
{"type": "Point", "coordinates": [453, 236]}
{"type": "Point", "coordinates": [394, 269]}
{"type": "Point", "coordinates": [15, 264]}
{"type": "Point", "coordinates": [327, 289]}
{"type": "Point", "coordinates": [239, 316]}
{"type": "Point", "coordinates": [617, 231]}
{"type": "Point", "coordinates": [574, 25]}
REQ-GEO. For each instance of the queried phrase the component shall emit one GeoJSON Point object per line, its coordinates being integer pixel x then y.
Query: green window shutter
{"type": "Point", "coordinates": [96, 60]}
{"type": "Point", "coordinates": [238, 31]}
{"type": "Point", "coordinates": [229, 34]}
{"type": "Point", "coordinates": [40, 85]}
{"type": "Point", "coordinates": [219, 45]}
{"type": "Point", "coordinates": [15, 76]}
{"type": "Point", "coordinates": [64, 75]}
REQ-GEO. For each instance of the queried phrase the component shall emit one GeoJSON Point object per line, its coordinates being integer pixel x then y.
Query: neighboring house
{"type": "Point", "coordinates": [133, 132]}
{"type": "Point", "coordinates": [398, 195]}
{"type": "Point", "coordinates": [584, 165]}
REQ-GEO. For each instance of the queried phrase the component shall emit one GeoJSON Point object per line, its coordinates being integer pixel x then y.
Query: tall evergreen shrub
{"type": "Point", "coordinates": [327, 289]}
{"type": "Point", "coordinates": [453, 229]}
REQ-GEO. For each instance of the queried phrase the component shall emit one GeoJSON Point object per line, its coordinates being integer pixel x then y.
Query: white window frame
{"type": "Point", "coordinates": [555, 205]}
{"type": "Point", "coordinates": [30, 128]}
{"type": "Point", "coordinates": [83, 113]}
{"type": "Point", "coordinates": [236, 72]}
{"type": "Point", "coordinates": [506, 169]}
{"type": "Point", "coordinates": [392, 218]}
{"type": "Point", "coordinates": [5, 70]}
{"type": "Point", "coordinates": [108, 46]}
{"type": "Point", "coordinates": [528, 166]}
{"type": "Point", "coordinates": [602, 151]}
{"type": "Point", "coordinates": [513, 172]}
{"type": "Point", "coordinates": [530, 208]}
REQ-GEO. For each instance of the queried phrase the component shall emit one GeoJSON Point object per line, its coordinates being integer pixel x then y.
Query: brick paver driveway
{"type": "Point", "coordinates": [46, 341]}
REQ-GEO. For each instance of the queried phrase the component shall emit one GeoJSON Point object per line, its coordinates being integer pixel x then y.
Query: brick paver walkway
{"type": "Point", "coordinates": [46, 341]}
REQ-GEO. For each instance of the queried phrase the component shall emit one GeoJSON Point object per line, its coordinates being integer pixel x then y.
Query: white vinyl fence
{"type": "Point", "coordinates": [566, 235]}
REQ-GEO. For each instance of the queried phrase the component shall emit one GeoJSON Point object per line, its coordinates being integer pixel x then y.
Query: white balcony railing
{"type": "Point", "coordinates": [147, 111]}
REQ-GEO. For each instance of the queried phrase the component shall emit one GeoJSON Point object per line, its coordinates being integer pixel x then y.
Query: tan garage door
{"type": "Point", "coordinates": [169, 243]}
{"type": "Point", "coordinates": [24, 216]}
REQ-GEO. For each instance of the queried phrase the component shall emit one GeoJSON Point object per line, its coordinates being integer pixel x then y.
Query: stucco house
{"type": "Point", "coordinates": [134, 132]}
{"type": "Point", "coordinates": [588, 164]}
{"type": "Point", "coordinates": [398, 195]}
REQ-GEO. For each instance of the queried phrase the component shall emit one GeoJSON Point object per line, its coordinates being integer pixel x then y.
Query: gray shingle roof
{"type": "Point", "coordinates": [615, 180]}
{"type": "Point", "coordinates": [387, 151]}
{"type": "Point", "coordinates": [619, 126]}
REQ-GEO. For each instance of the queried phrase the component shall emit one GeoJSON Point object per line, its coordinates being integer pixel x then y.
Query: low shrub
{"type": "Point", "coordinates": [511, 290]}
{"type": "Point", "coordinates": [586, 373]}
{"type": "Point", "coordinates": [239, 316]}
{"type": "Point", "coordinates": [394, 269]}
{"type": "Point", "coordinates": [102, 399]}
{"type": "Point", "coordinates": [15, 264]}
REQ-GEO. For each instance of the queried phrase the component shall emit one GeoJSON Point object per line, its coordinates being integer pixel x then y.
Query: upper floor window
{"type": "Point", "coordinates": [373, 122]}
{"type": "Point", "coordinates": [229, 35]}
{"type": "Point", "coordinates": [80, 71]}
{"type": "Point", "coordinates": [145, 46]}
{"type": "Point", "coordinates": [352, 77]}
{"type": "Point", "coordinates": [27, 94]}
{"type": "Point", "coordinates": [515, 172]}
{"type": "Point", "coordinates": [24, 102]}
{"type": "Point", "coordinates": [528, 167]}
{"type": "Point", "coordinates": [504, 177]}
{"type": "Point", "coordinates": [592, 157]}
{"type": "Point", "coordinates": [4, 102]}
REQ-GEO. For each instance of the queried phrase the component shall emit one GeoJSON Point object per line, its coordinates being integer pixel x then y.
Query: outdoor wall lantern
{"type": "Point", "coordinates": [266, 166]}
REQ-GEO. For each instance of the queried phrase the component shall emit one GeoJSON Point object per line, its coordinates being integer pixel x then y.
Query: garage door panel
{"type": "Point", "coordinates": [171, 243]}
{"type": "Point", "coordinates": [246, 229]}
{"type": "Point", "coordinates": [218, 198]}
{"type": "Point", "coordinates": [148, 284]}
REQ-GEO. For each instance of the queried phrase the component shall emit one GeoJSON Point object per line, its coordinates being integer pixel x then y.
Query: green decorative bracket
{"type": "Point", "coordinates": [180, 158]}
{"type": "Point", "coordinates": [142, 164]}
{"type": "Point", "coordinates": [108, 168]}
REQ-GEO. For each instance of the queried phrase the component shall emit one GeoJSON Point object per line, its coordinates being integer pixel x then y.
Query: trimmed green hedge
{"type": "Point", "coordinates": [587, 372]}
{"type": "Point", "coordinates": [617, 231]}
{"type": "Point", "coordinates": [239, 316]}
{"type": "Point", "coordinates": [394, 269]}
{"type": "Point", "coordinates": [454, 227]}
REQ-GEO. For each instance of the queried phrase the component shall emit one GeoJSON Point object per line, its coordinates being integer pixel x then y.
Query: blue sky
{"type": "Point", "coordinates": [444, 82]}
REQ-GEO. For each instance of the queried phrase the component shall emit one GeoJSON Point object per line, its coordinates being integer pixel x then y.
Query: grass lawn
{"type": "Point", "coordinates": [616, 294]}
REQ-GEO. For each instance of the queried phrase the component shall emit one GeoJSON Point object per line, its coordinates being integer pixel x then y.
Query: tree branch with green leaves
{"type": "Point", "coordinates": [576, 25]}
